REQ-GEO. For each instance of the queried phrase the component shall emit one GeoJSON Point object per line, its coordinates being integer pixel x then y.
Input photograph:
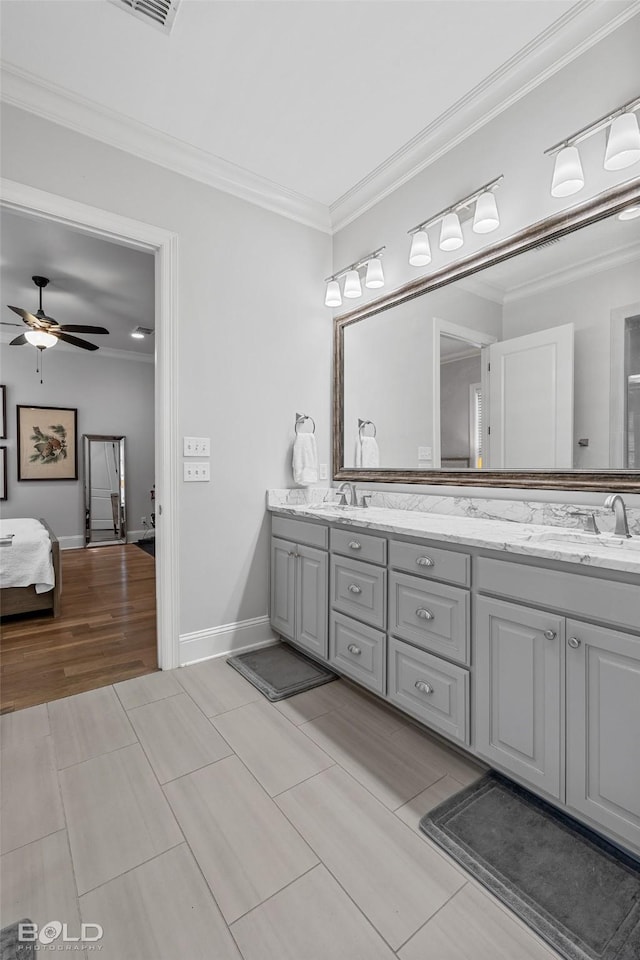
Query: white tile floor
{"type": "Point", "coordinates": [191, 818]}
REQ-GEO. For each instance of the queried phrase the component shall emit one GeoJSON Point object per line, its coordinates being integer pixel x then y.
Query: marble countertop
{"type": "Point", "coordinates": [527, 539]}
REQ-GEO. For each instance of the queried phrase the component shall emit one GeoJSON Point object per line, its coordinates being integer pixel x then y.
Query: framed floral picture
{"type": "Point", "coordinates": [47, 443]}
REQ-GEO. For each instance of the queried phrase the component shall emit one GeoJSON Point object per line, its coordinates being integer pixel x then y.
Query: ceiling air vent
{"type": "Point", "coordinates": [159, 12]}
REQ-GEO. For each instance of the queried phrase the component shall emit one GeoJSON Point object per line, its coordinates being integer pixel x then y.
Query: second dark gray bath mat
{"type": "Point", "coordinates": [280, 672]}
{"type": "Point", "coordinates": [577, 891]}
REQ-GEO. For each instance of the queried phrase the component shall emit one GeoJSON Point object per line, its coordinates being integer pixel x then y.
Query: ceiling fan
{"type": "Point", "coordinates": [44, 331]}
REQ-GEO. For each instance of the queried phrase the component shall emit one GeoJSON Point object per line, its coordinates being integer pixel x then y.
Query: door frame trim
{"type": "Point", "coordinates": [39, 204]}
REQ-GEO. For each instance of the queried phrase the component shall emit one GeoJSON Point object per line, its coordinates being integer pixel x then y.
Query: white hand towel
{"type": "Point", "coordinates": [305, 459]}
{"type": "Point", "coordinates": [367, 453]}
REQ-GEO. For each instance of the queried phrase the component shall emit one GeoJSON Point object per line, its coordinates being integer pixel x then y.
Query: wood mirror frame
{"type": "Point", "coordinates": [604, 205]}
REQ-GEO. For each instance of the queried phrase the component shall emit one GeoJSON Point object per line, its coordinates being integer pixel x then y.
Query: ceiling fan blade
{"type": "Point", "coordinates": [26, 316]}
{"type": "Point", "coordinates": [76, 342]}
{"type": "Point", "coordinates": [18, 341]}
{"type": "Point", "coordinates": [5, 323]}
{"type": "Point", "coordinates": [81, 328]}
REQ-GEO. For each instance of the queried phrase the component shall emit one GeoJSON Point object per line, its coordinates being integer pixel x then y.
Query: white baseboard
{"type": "Point", "coordinates": [71, 543]}
{"type": "Point", "coordinates": [226, 639]}
{"type": "Point", "coordinates": [134, 535]}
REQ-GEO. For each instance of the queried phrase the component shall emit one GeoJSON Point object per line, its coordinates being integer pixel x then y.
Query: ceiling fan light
{"type": "Point", "coordinates": [630, 213]}
{"type": "Point", "coordinates": [568, 177]}
{"type": "Point", "coordinates": [352, 286]}
{"type": "Point", "coordinates": [623, 144]}
{"type": "Point", "coordinates": [333, 297]}
{"type": "Point", "coordinates": [40, 338]}
{"type": "Point", "coordinates": [485, 218]}
{"type": "Point", "coordinates": [420, 254]}
{"type": "Point", "coordinates": [375, 275]}
{"type": "Point", "coordinates": [451, 233]}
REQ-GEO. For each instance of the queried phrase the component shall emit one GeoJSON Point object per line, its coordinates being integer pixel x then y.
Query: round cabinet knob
{"type": "Point", "coordinates": [574, 643]}
{"type": "Point", "coordinates": [356, 651]}
{"type": "Point", "coordinates": [550, 634]}
{"type": "Point", "coordinates": [424, 687]}
{"type": "Point", "coordinates": [354, 545]}
{"type": "Point", "coordinates": [354, 588]}
{"type": "Point", "coordinates": [424, 562]}
{"type": "Point", "coordinates": [424, 614]}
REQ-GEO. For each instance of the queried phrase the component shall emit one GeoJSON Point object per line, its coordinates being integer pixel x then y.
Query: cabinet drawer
{"type": "Point", "coordinates": [430, 562]}
{"type": "Point", "coordinates": [571, 593]}
{"type": "Point", "coordinates": [429, 688]}
{"type": "Point", "coordinates": [434, 616]}
{"type": "Point", "coordinates": [300, 531]}
{"type": "Point", "coordinates": [360, 546]}
{"type": "Point", "coordinates": [358, 651]}
{"type": "Point", "coordinates": [359, 589]}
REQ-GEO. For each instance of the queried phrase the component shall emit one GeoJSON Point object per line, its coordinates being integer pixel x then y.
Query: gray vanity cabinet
{"type": "Point", "coordinates": [603, 727]}
{"type": "Point", "coordinates": [299, 585]}
{"type": "Point", "coordinates": [518, 695]}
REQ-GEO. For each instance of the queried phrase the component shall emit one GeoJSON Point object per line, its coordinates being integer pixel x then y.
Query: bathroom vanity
{"type": "Point", "coordinates": [518, 642]}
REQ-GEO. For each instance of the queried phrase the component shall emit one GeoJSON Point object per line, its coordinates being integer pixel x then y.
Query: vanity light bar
{"type": "Point", "coordinates": [458, 205]}
{"type": "Point", "coordinates": [352, 285]}
{"type": "Point", "coordinates": [622, 150]}
{"type": "Point", "coordinates": [600, 124]}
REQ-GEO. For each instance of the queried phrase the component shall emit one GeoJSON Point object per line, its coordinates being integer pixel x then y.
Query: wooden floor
{"type": "Point", "coordinates": [106, 631]}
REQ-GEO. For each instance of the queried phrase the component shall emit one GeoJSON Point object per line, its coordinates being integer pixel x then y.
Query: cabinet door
{"type": "Point", "coordinates": [312, 601]}
{"type": "Point", "coordinates": [517, 658]}
{"type": "Point", "coordinates": [283, 572]}
{"type": "Point", "coordinates": [603, 728]}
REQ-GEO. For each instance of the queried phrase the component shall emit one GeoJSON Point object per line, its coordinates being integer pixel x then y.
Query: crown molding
{"type": "Point", "coordinates": [583, 26]}
{"type": "Point", "coordinates": [587, 268]}
{"type": "Point", "coordinates": [25, 90]}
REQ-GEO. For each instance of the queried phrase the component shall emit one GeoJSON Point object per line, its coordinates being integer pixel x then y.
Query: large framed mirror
{"type": "Point", "coordinates": [104, 490]}
{"type": "Point", "coordinates": [518, 366]}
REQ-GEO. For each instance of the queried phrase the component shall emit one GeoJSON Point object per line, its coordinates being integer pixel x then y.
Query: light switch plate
{"type": "Point", "coordinates": [197, 446]}
{"type": "Point", "coordinates": [196, 472]}
{"type": "Point", "coordinates": [323, 471]}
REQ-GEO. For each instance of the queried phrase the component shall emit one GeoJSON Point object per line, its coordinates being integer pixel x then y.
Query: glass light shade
{"type": "Point", "coordinates": [420, 254]}
{"type": "Point", "coordinates": [352, 287]}
{"type": "Point", "coordinates": [375, 276]}
{"type": "Point", "coordinates": [39, 338]}
{"type": "Point", "coordinates": [623, 145]}
{"type": "Point", "coordinates": [631, 213]}
{"type": "Point", "coordinates": [568, 177]}
{"type": "Point", "coordinates": [451, 233]}
{"type": "Point", "coordinates": [485, 218]}
{"type": "Point", "coordinates": [333, 297]}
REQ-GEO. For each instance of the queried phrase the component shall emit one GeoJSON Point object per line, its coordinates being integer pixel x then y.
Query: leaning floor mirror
{"type": "Point", "coordinates": [104, 490]}
{"type": "Point", "coordinates": [518, 366]}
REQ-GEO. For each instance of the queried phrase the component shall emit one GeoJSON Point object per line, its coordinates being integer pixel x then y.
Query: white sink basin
{"type": "Point", "coordinates": [606, 541]}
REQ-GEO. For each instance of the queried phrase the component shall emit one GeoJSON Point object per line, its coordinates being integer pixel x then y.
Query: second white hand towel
{"type": "Point", "coordinates": [367, 453]}
{"type": "Point", "coordinates": [305, 459]}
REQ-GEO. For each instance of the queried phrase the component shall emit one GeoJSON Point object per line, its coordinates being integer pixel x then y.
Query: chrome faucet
{"type": "Point", "coordinates": [353, 495]}
{"type": "Point", "coordinates": [616, 503]}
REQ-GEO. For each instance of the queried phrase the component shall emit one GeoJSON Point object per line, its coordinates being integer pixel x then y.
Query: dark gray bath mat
{"type": "Point", "coordinates": [578, 892]}
{"type": "Point", "coordinates": [280, 672]}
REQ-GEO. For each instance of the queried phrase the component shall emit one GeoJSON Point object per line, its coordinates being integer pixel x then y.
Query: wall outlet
{"type": "Point", "coordinates": [196, 446]}
{"type": "Point", "coordinates": [323, 471]}
{"type": "Point", "coordinates": [143, 521]}
{"type": "Point", "coordinates": [424, 453]}
{"type": "Point", "coordinates": [196, 472]}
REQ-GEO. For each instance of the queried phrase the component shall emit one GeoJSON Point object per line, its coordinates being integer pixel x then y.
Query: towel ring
{"type": "Point", "coordinates": [366, 423]}
{"type": "Point", "coordinates": [301, 417]}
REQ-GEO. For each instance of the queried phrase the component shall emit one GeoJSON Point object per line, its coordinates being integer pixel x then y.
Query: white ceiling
{"type": "Point", "coordinates": [92, 281]}
{"type": "Point", "coordinates": [311, 106]}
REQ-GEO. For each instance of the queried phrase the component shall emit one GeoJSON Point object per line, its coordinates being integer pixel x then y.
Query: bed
{"type": "Point", "coordinates": [30, 574]}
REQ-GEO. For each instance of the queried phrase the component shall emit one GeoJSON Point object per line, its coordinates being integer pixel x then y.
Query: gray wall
{"type": "Point", "coordinates": [255, 347]}
{"type": "Point", "coordinates": [513, 143]}
{"type": "Point", "coordinates": [112, 396]}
